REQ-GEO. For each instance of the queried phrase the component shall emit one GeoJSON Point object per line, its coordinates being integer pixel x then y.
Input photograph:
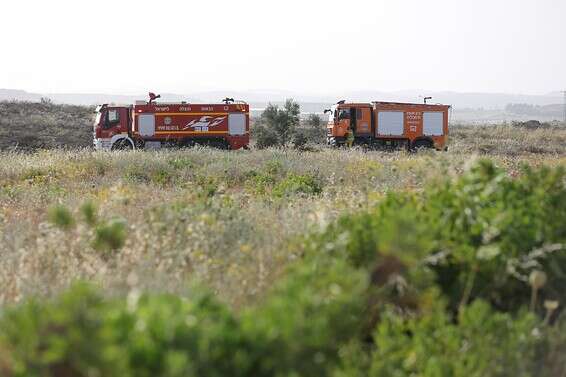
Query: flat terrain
{"type": "Point", "coordinates": [225, 218]}
{"type": "Point", "coordinates": [280, 262]}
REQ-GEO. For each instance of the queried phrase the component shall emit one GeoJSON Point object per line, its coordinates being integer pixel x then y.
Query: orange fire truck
{"type": "Point", "coordinates": [383, 124]}
{"type": "Point", "coordinates": [150, 124]}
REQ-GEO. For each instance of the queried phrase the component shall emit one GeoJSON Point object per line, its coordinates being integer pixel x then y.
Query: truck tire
{"type": "Point", "coordinates": [122, 145]}
{"type": "Point", "coordinates": [420, 145]}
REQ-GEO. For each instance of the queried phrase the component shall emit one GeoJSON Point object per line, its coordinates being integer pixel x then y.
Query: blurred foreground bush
{"type": "Point", "coordinates": [463, 279]}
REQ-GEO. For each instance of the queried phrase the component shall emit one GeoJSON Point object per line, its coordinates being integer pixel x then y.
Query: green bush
{"type": "Point", "coordinates": [297, 184]}
{"type": "Point", "coordinates": [110, 235]}
{"type": "Point", "coordinates": [61, 217]}
{"type": "Point", "coordinates": [158, 174]}
{"type": "Point", "coordinates": [89, 212]}
{"type": "Point", "coordinates": [68, 336]}
{"type": "Point", "coordinates": [315, 131]}
{"type": "Point", "coordinates": [301, 326]}
{"type": "Point", "coordinates": [166, 335]}
{"type": "Point", "coordinates": [483, 343]}
{"type": "Point", "coordinates": [493, 231]}
{"type": "Point", "coordinates": [481, 234]}
{"type": "Point", "coordinates": [275, 181]}
{"type": "Point", "coordinates": [297, 331]}
{"type": "Point", "coordinates": [300, 140]}
{"type": "Point", "coordinates": [265, 137]}
{"type": "Point", "coordinates": [180, 163]}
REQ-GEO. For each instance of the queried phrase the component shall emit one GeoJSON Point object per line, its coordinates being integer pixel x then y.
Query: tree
{"type": "Point", "coordinates": [317, 129]}
{"type": "Point", "coordinates": [277, 126]}
{"type": "Point", "coordinates": [314, 121]}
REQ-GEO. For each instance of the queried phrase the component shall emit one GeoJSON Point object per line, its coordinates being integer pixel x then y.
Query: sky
{"type": "Point", "coordinates": [314, 47]}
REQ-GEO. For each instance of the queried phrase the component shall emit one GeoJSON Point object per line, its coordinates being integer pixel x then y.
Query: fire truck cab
{"type": "Point", "coordinates": [111, 128]}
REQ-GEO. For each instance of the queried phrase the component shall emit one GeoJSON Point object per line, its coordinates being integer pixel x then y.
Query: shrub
{"type": "Point", "coordinates": [493, 229]}
{"type": "Point", "coordinates": [275, 181]}
{"type": "Point", "coordinates": [316, 129]}
{"type": "Point", "coordinates": [89, 212]}
{"type": "Point", "coordinates": [297, 331]}
{"type": "Point", "coordinates": [294, 184]}
{"type": "Point", "coordinates": [166, 335]}
{"type": "Point", "coordinates": [181, 163]}
{"type": "Point", "coordinates": [68, 336]}
{"type": "Point", "coordinates": [261, 182]}
{"type": "Point", "coordinates": [265, 137]}
{"type": "Point", "coordinates": [61, 217]}
{"type": "Point", "coordinates": [110, 235]}
{"type": "Point", "coordinates": [300, 327]}
{"type": "Point", "coordinates": [208, 187]}
{"type": "Point", "coordinates": [483, 343]}
{"type": "Point", "coordinates": [481, 234]}
{"type": "Point", "coordinates": [161, 177]}
{"type": "Point", "coordinates": [300, 140]}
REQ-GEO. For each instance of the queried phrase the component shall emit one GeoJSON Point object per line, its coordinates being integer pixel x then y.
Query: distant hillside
{"type": "Point", "coordinates": [505, 107]}
{"type": "Point", "coordinates": [555, 110]}
{"type": "Point", "coordinates": [32, 125]}
{"type": "Point", "coordinates": [18, 95]}
{"type": "Point", "coordinates": [486, 101]}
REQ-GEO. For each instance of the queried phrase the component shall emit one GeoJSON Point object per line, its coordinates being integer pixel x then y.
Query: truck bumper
{"type": "Point", "coordinates": [101, 144]}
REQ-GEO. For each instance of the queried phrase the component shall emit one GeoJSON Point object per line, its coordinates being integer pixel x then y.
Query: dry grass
{"type": "Point", "coordinates": [203, 214]}
{"type": "Point", "coordinates": [215, 216]}
{"type": "Point", "coordinates": [509, 140]}
{"type": "Point", "coordinates": [33, 125]}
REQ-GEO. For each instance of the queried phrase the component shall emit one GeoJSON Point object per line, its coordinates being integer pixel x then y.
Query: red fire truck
{"type": "Point", "coordinates": [156, 125]}
{"type": "Point", "coordinates": [383, 124]}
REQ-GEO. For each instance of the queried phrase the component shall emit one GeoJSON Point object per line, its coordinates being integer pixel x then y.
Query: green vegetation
{"type": "Point", "coordinates": [287, 262]}
{"type": "Point", "coordinates": [430, 283]}
{"type": "Point", "coordinates": [278, 127]}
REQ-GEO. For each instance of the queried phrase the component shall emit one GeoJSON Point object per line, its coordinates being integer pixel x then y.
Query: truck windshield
{"type": "Point", "coordinates": [333, 114]}
{"type": "Point", "coordinates": [344, 114]}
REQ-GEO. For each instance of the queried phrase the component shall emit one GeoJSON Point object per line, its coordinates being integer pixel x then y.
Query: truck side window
{"type": "Point", "coordinates": [359, 114]}
{"type": "Point", "coordinates": [113, 116]}
{"type": "Point", "coordinates": [344, 114]}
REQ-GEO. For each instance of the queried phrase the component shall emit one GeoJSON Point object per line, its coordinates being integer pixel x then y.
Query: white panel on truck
{"type": "Point", "coordinates": [390, 123]}
{"type": "Point", "coordinates": [146, 124]}
{"type": "Point", "coordinates": [237, 124]}
{"type": "Point", "coordinates": [433, 123]}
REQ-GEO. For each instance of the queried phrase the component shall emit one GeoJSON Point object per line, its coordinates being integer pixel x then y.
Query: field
{"type": "Point", "coordinates": [226, 218]}
{"type": "Point", "coordinates": [238, 223]}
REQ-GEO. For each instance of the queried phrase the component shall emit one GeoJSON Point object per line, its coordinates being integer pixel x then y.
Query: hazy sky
{"type": "Point", "coordinates": [315, 47]}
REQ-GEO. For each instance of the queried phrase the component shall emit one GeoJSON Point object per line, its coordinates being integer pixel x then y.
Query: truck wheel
{"type": "Point", "coordinates": [420, 145]}
{"type": "Point", "coordinates": [122, 145]}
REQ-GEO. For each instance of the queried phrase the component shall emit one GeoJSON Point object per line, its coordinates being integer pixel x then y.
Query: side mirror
{"type": "Point", "coordinates": [327, 111]}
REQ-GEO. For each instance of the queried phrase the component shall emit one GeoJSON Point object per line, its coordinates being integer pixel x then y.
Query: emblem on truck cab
{"type": "Point", "coordinates": [204, 123]}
